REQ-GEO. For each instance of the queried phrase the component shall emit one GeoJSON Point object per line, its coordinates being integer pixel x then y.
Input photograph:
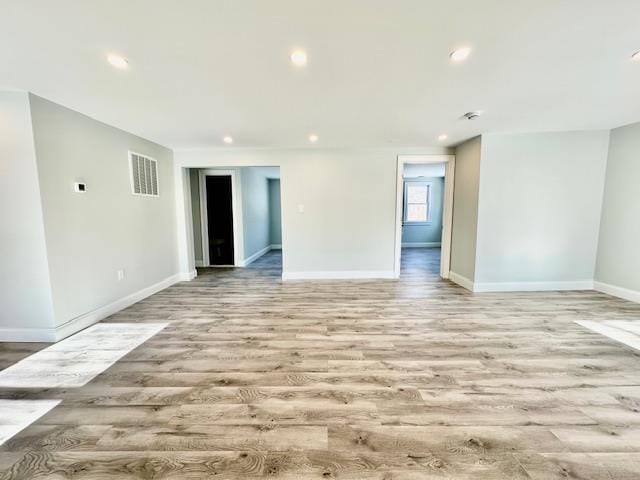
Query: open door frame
{"type": "Point", "coordinates": [447, 209]}
{"type": "Point", "coordinates": [238, 249]}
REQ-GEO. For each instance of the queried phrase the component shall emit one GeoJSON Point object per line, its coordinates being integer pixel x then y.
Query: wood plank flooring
{"type": "Point", "coordinates": [388, 379]}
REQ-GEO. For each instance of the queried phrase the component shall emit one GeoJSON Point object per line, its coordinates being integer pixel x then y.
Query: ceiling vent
{"type": "Point", "coordinates": [144, 175]}
{"type": "Point", "coordinates": [472, 115]}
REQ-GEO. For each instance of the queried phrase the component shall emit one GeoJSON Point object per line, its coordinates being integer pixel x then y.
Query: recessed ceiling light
{"type": "Point", "coordinates": [443, 137]}
{"type": "Point", "coordinates": [460, 54]}
{"type": "Point", "coordinates": [299, 58]}
{"type": "Point", "coordinates": [228, 139]}
{"type": "Point", "coordinates": [636, 56]}
{"type": "Point", "coordinates": [313, 138]}
{"type": "Point", "coordinates": [118, 61]}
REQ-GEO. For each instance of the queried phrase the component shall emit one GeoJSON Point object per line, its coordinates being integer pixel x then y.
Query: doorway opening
{"type": "Point", "coordinates": [236, 217]}
{"type": "Point", "coordinates": [424, 215]}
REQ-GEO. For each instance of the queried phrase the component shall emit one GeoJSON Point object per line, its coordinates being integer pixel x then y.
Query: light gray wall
{"type": "Point", "coordinates": [275, 220]}
{"type": "Point", "coordinates": [465, 208]}
{"type": "Point", "coordinates": [432, 232]}
{"type": "Point", "coordinates": [349, 199]}
{"type": "Point", "coordinates": [255, 209]}
{"type": "Point", "coordinates": [194, 179]}
{"type": "Point", "coordinates": [25, 293]}
{"type": "Point", "coordinates": [619, 248]}
{"type": "Point", "coordinates": [90, 236]}
{"type": "Point", "coordinates": [539, 207]}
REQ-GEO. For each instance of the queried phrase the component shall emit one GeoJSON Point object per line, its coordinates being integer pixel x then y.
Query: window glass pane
{"type": "Point", "coordinates": [416, 194]}
{"type": "Point", "coordinates": [417, 213]}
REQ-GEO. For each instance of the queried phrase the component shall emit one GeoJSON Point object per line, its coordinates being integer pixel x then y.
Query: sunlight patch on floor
{"type": "Point", "coordinates": [620, 330]}
{"type": "Point", "coordinates": [16, 415]}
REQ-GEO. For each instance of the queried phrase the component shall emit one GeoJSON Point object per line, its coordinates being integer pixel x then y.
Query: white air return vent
{"type": "Point", "coordinates": [144, 175]}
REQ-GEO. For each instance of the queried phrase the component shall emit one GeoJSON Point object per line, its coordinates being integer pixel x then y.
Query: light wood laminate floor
{"type": "Point", "coordinates": [384, 379]}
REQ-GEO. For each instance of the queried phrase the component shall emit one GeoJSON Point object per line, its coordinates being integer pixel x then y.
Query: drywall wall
{"type": "Point", "coordinates": [25, 293]}
{"type": "Point", "coordinates": [346, 226]}
{"type": "Point", "coordinates": [255, 209]}
{"type": "Point", "coordinates": [194, 180]}
{"type": "Point", "coordinates": [275, 219]}
{"type": "Point", "coordinates": [618, 263]}
{"type": "Point", "coordinates": [539, 207]}
{"type": "Point", "coordinates": [431, 232]}
{"type": "Point", "coordinates": [412, 170]}
{"type": "Point", "coordinates": [92, 235]}
{"type": "Point", "coordinates": [465, 209]}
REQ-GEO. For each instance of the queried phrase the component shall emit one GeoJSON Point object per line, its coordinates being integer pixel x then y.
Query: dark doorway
{"type": "Point", "coordinates": [220, 220]}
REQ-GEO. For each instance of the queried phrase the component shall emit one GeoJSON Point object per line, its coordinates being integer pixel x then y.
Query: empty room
{"type": "Point", "coordinates": [304, 239]}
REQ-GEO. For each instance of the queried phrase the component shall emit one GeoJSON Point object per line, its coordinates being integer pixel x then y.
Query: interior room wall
{"type": "Point", "coordinates": [465, 211]}
{"type": "Point", "coordinates": [255, 210]}
{"type": "Point", "coordinates": [539, 209]}
{"type": "Point", "coordinates": [25, 291]}
{"type": "Point", "coordinates": [275, 219]}
{"type": "Point", "coordinates": [430, 233]}
{"type": "Point", "coordinates": [92, 235]}
{"type": "Point", "coordinates": [338, 206]}
{"type": "Point", "coordinates": [618, 262]}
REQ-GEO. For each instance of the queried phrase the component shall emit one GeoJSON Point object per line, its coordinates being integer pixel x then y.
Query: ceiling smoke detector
{"type": "Point", "coordinates": [472, 115]}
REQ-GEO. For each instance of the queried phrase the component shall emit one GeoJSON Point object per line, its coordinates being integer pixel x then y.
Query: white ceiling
{"type": "Point", "coordinates": [378, 72]}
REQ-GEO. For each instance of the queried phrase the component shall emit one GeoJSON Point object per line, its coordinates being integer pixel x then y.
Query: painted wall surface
{"type": "Point", "coordinates": [25, 293]}
{"type": "Point", "coordinates": [194, 179]}
{"type": "Point", "coordinates": [92, 235]}
{"type": "Point", "coordinates": [275, 219]}
{"type": "Point", "coordinates": [465, 208]}
{"type": "Point", "coordinates": [346, 224]}
{"type": "Point", "coordinates": [618, 261]}
{"type": "Point", "coordinates": [539, 209]}
{"type": "Point", "coordinates": [431, 232]}
{"type": "Point", "coordinates": [255, 209]}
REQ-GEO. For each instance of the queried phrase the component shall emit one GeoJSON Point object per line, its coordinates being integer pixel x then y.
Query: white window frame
{"type": "Point", "coordinates": [429, 185]}
{"type": "Point", "coordinates": [133, 190]}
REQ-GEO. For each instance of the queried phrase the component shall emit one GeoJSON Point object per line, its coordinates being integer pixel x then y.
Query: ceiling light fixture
{"type": "Point", "coordinates": [636, 56]}
{"type": "Point", "coordinates": [313, 138]}
{"type": "Point", "coordinates": [118, 61]}
{"type": "Point", "coordinates": [443, 137]}
{"type": "Point", "coordinates": [228, 139]}
{"type": "Point", "coordinates": [299, 58]}
{"type": "Point", "coordinates": [472, 115]}
{"type": "Point", "coordinates": [460, 54]}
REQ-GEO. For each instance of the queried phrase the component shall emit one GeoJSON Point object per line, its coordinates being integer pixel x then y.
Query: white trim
{"type": "Point", "coordinates": [199, 263]}
{"type": "Point", "coordinates": [276, 246]}
{"type": "Point", "coordinates": [532, 286]}
{"type": "Point", "coordinates": [236, 208]}
{"type": "Point", "coordinates": [83, 321]}
{"type": "Point", "coordinates": [420, 244]}
{"type": "Point", "coordinates": [338, 275]}
{"type": "Point", "coordinates": [256, 255]}
{"type": "Point", "coordinates": [620, 292]}
{"type": "Point", "coordinates": [447, 209]}
{"type": "Point", "coordinates": [460, 280]}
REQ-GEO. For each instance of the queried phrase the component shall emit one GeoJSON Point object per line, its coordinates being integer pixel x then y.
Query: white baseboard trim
{"type": "Point", "coordinates": [86, 320]}
{"type": "Point", "coordinates": [339, 275]}
{"type": "Point", "coordinates": [464, 282]}
{"type": "Point", "coordinates": [199, 263]}
{"type": "Point", "coordinates": [532, 286]}
{"type": "Point", "coordinates": [276, 246]}
{"type": "Point", "coordinates": [420, 244]}
{"type": "Point", "coordinates": [620, 292]}
{"type": "Point", "coordinates": [249, 260]}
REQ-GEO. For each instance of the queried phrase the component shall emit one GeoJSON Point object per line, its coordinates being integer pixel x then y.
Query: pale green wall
{"type": "Point", "coordinates": [619, 248]}
{"type": "Point", "coordinates": [465, 208]}
{"type": "Point", "coordinates": [92, 235]}
{"type": "Point", "coordinates": [255, 209]}
{"type": "Point", "coordinates": [275, 221]}
{"type": "Point", "coordinates": [25, 291]}
{"type": "Point", "coordinates": [432, 232]}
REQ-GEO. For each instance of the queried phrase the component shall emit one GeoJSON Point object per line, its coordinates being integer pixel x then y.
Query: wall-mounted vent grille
{"type": "Point", "coordinates": [144, 175]}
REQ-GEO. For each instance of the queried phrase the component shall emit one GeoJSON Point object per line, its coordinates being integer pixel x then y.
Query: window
{"type": "Point", "coordinates": [144, 175]}
{"type": "Point", "coordinates": [417, 202]}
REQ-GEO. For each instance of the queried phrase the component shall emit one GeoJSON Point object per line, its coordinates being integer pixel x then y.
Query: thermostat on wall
{"type": "Point", "coordinates": [79, 187]}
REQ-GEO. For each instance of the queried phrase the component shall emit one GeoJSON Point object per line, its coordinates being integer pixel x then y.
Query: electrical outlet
{"type": "Point", "coordinates": [120, 275]}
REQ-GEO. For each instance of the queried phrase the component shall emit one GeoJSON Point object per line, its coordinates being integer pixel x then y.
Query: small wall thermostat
{"type": "Point", "coordinates": [79, 187]}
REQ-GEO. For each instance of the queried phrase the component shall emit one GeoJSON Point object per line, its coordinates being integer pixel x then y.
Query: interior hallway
{"type": "Point", "coordinates": [394, 379]}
